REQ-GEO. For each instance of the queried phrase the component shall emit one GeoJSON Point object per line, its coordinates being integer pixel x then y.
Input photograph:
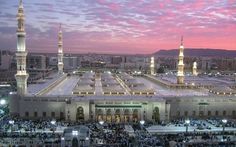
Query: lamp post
{"type": "Point", "coordinates": [224, 122]}
{"type": "Point", "coordinates": [101, 122]}
{"type": "Point", "coordinates": [142, 122]}
{"type": "Point", "coordinates": [11, 122]}
{"type": "Point", "coordinates": [187, 122]}
{"type": "Point", "coordinates": [53, 123]}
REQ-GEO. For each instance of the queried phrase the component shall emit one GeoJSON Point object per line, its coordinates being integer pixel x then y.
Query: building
{"type": "Point", "coordinates": [70, 63]}
{"type": "Point", "coordinates": [36, 62]}
{"type": "Point", "coordinates": [5, 60]}
{"type": "Point", "coordinates": [120, 97]}
{"type": "Point", "coordinates": [116, 60]}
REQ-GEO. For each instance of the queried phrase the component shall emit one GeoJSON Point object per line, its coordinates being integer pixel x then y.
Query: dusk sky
{"type": "Point", "coordinates": [121, 26]}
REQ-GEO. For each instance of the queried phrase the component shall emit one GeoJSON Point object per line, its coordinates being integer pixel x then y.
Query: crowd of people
{"type": "Point", "coordinates": [47, 132]}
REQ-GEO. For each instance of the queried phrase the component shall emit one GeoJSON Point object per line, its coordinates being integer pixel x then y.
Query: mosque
{"type": "Point", "coordinates": [118, 97]}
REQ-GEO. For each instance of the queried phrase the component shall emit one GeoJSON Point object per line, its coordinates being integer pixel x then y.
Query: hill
{"type": "Point", "coordinates": [199, 52]}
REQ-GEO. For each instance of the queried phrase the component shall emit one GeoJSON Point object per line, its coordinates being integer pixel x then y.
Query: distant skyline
{"type": "Point", "coordinates": [121, 26]}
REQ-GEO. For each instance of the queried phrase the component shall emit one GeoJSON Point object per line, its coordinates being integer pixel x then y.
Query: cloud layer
{"type": "Point", "coordinates": [121, 26]}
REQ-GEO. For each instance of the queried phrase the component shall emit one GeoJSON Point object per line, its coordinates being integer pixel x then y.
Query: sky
{"type": "Point", "coordinates": [121, 26]}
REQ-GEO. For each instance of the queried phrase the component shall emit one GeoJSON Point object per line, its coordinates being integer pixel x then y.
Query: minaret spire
{"type": "Point", "coordinates": [60, 51]}
{"type": "Point", "coordinates": [152, 65]}
{"type": "Point", "coordinates": [60, 27]}
{"type": "Point", "coordinates": [21, 3]}
{"type": "Point", "coordinates": [180, 74]}
{"type": "Point", "coordinates": [21, 53]}
{"type": "Point", "coordinates": [195, 69]}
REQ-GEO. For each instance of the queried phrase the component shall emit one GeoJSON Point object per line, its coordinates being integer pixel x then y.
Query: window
{"type": "Point", "coordinates": [233, 112]}
{"type": "Point", "coordinates": [62, 115]}
{"type": "Point", "coordinates": [178, 113]}
{"type": "Point", "coordinates": [194, 113]}
{"type": "Point", "coordinates": [224, 113]}
{"type": "Point", "coordinates": [201, 113]}
{"type": "Point", "coordinates": [44, 114]}
{"type": "Point", "coordinates": [26, 114]}
{"type": "Point", "coordinates": [35, 114]}
{"type": "Point", "coordinates": [186, 113]}
{"type": "Point", "coordinates": [209, 113]}
{"type": "Point", "coordinates": [53, 114]}
{"type": "Point", "coordinates": [216, 113]}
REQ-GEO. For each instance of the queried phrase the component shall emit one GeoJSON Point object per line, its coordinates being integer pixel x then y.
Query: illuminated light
{"type": "Point", "coordinates": [75, 133]}
{"type": "Point", "coordinates": [53, 122]}
{"type": "Point", "coordinates": [224, 121]}
{"type": "Point", "coordinates": [187, 121]}
{"type": "Point", "coordinates": [11, 122]}
{"type": "Point", "coordinates": [101, 122]}
{"type": "Point", "coordinates": [87, 138]}
{"type": "Point", "coordinates": [142, 122]}
{"type": "Point", "coordinates": [62, 138]}
{"type": "Point", "coordinates": [5, 85]}
{"type": "Point", "coordinates": [3, 102]}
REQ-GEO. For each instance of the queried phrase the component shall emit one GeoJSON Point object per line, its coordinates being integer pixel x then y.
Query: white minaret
{"type": "Point", "coordinates": [180, 74]}
{"type": "Point", "coordinates": [195, 69]}
{"type": "Point", "coordinates": [152, 66]}
{"type": "Point", "coordinates": [60, 52]}
{"type": "Point", "coordinates": [21, 53]}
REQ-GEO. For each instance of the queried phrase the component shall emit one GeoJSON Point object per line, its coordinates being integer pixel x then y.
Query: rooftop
{"type": "Point", "coordinates": [100, 84]}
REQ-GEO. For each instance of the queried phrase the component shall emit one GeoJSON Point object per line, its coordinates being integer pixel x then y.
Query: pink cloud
{"type": "Point", "coordinates": [140, 26]}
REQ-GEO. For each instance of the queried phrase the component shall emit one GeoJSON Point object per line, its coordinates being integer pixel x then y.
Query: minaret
{"type": "Point", "coordinates": [152, 66]}
{"type": "Point", "coordinates": [195, 69]}
{"type": "Point", "coordinates": [21, 53]}
{"type": "Point", "coordinates": [180, 74]}
{"type": "Point", "coordinates": [60, 52]}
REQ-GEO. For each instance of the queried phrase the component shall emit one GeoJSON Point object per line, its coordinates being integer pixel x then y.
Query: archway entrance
{"type": "Point", "coordinates": [75, 142]}
{"type": "Point", "coordinates": [156, 114]}
{"type": "Point", "coordinates": [117, 116]}
{"type": "Point", "coordinates": [126, 115]}
{"type": "Point", "coordinates": [135, 115]}
{"type": "Point", "coordinates": [80, 114]}
{"type": "Point", "coordinates": [109, 116]}
{"type": "Point", "coordinates": [99, 114]}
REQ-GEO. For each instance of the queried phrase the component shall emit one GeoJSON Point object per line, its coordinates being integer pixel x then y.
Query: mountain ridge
{"type": "Point", "coordinates": [198, 52]}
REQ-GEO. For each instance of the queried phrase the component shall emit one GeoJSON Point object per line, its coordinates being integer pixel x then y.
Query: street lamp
{"type": "Point", "coordinates": [224, 122]}
{"type": "Point", "coordinates": [53, 122]}
{"type": "Point", "coordinates": [3, 102]}
{"type": "Point", "coordinates": [187, 122]}
{"type": "Point", "coordinates": [101, 122]}
{"type": "Point", "coordinates": [142, 122]}
{"type": "Point", "coordinates": [11, 122]}
{"type": "Point", "coordinates": [87, 138]}
{"type": "Point", "coordinates": [75, 133]}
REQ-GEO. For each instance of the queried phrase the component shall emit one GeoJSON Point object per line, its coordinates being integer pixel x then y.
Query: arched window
{"type": "Point", "coordinates": [80, 113]}
{"type": "Point", "coordinates": [156, 114]}
{"type": "Point", "coordinates": [224, 113]}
